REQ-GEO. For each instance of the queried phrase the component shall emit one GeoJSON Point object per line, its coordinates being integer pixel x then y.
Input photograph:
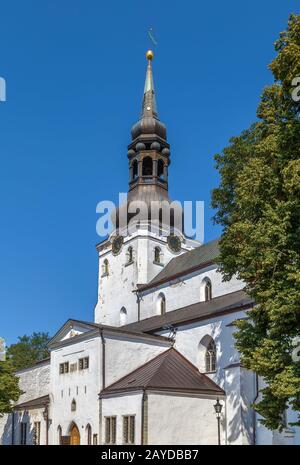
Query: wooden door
{"type": "Point", "coordinates": [75, 436]}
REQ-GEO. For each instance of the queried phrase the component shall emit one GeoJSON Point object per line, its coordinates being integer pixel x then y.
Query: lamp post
{"type": "Point", "coordinates": [218, 409]}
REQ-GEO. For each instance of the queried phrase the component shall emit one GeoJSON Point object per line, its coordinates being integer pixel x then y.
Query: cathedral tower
{"type": "Point", "coordinates": [133, 256]}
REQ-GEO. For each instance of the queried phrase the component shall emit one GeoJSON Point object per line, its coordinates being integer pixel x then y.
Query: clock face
{"type": "Point", "coordinates": [117, 244]}
{"type": "Point", "coordinates": [174, 243]}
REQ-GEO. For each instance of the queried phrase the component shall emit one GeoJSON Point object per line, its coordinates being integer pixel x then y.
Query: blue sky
{"type": "Point", "coordinates": [75, 73]}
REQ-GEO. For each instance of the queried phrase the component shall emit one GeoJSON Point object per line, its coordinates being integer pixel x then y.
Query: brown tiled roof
{"type": "Point", "coordinates": [34, 403]}
{"type": "Point", "coordinates": [227, 303]}
{"type": "Point", "coordinates": [188, 262]}
{"type": "Point", "coordinates": [170, 372]}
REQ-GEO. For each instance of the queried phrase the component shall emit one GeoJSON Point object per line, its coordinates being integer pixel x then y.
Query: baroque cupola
{"type": "Point", "coordinates": [149, 152]}
{"type": "Point", "coordinates": [149, 160]}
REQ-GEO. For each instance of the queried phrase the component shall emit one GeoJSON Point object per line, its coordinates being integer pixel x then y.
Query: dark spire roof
{"type": "Point", "coordinates": [149, 123]}
{"type": "Point", "coordinates": [170, 372]}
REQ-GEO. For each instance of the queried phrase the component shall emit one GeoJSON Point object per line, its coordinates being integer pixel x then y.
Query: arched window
{"type": "Point", "coordinates": [207, 354]}
{"type": "Point", "coordinates": [160, 169]}
{"type": "Point", "coordinates": [129, 255]}
{"type": "Point", "coordinates": [73, 405]}
{"type": "Point", "coordinates": [211, 357]}
{"type": "Point", "coordinates": [157, 255]}
{"type": "Point", "coordinates": [161, 304]}
{"type": "Point", "coordinates": [59, 434]}
{"type": "Point", "coordinates": [105, 268]}
{"type": "Point", "coordinates": [123, 316]}
{"type": "Point", "coordinates": [134, 170]}
{"type": "Point", "coordinates": [88, 434]}
{"type": "Point", "coordinates": [147, 166]}
{"type": "Point", "coordinates": [205, 290]}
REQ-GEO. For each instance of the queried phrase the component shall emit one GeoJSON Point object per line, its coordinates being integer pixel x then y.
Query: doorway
{"type": "Point", "coordinates": [75, 436]}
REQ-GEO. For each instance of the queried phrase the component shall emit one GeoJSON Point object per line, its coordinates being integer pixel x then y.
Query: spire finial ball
{"type": "Point", "coordinates": [149, 55]}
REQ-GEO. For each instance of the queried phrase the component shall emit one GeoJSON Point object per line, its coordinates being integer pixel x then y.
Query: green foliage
{"type": "Point", "coordinates": [258, 205]}
{"type": "Point", "coordinates": [28, 350]}
{"type": "Point", "coordinates": [9, 387]}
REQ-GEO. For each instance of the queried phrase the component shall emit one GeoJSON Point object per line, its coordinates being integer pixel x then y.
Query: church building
{"type": "Point", "coordinates": [158, 364]}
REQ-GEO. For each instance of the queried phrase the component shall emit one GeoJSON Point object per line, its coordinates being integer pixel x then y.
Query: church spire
{"type": "Point", "coordinates": [149, 126]}
{"type": "Point", "coordinates": [149, 107]}
{"type": "Point", "coordinates": [148, 153]}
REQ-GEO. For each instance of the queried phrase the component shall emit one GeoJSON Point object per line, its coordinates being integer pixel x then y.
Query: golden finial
{"type": "Point", "coordinates": [149, 55]}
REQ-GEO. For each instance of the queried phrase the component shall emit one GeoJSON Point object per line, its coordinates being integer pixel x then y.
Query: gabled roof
{"type": "Point", "coordinates": [39, 402]}
{"type": "Point", "coordinates": [228, 303]}
{"type": "Point", "coordinates": [170, 372]}
{"type": "Point", "coordinates": [94, 329]}
{"type": "Point", "coordinates": [188, 262]}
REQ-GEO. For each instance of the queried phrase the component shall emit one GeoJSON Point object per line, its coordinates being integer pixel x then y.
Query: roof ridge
{"type": "Point", "coordinates": [180, 260]}
{"type": "Point", "coordinates": [164, 356]}
{"type": "Point", "coordinates": [138, 368]}
{"type": "Point", "coordinates": [188, 378]}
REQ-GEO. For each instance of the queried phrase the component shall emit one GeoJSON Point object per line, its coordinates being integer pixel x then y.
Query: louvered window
{"type": "Point", "coordinates": [110, 430]}
{"type": "Point", "coordinates": [128, 429]}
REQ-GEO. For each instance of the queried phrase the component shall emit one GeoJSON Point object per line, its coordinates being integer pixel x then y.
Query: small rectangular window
{"type": "Point", "coordinates": [63, 368]}
{"type": "Point", "coordinates": [95, 439]}
{"type": "Point", "coordinates": [128, 429]}
{"type": "Point", "coordinates": [83, 363]}
{"type": "Point", "coordinates": [110, 430]}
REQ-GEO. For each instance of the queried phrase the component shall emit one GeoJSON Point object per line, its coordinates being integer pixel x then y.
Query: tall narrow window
{"type": "Point", "coordinates": [123, 316]}
{"type": "Point", "coordinates": [134, 170]}
{"type": "Point", "coordinates": [207, 291]}
{"type": "Point", "coordinates": [160, 169]}
{"type": "Point", "coordinates": [157, 255]}
{"type": "Point", "coordinates": [89, 434]}
{"type": "Point", "coordinates": [129, 255]}
{"type": "Point", "coordinates": [105, 268]}
{"type": "Point", "coordinates": [73, 405]}
{"type": "Point", "coordinates": [211, 357]}
{"type": "Point", "coordinates": [161, 304]}
{"type": "Point", "coordinates": [129, 429]}
{"type": "Point", "coordinates": [147, 166]}
{"type": "Point", "coordinates": [37, 433]}
{"type": "Point", "coordinates": [110, 430]}
{"type": "Point", "coordinates": [59, 434]}
{"type": "Point", "coordinates": [23, 433]}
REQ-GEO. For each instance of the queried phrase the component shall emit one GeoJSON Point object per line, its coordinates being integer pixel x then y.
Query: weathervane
{"type": "Point", "coordinates": [151, 36]}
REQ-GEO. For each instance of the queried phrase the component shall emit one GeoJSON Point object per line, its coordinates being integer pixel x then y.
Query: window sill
{"type": "Point", "coordinates": [129, 263]}
{"type": "Point", "coordinates": [158, 263]}
{"type": "Point", "coordinates": [104, 274]}
{"type": "Point", "coordinates": [209, 372]}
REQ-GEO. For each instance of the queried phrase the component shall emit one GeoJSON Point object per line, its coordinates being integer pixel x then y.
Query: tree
{"type": "Point", "coordinates": [9, 387]}
{"type": "Point", "coordinates": [28, 350]}
{"type": "Point", "coordinates": [258, 206]}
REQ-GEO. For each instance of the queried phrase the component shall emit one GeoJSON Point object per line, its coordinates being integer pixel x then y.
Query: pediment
{"type": "Point", "coordinates": [71, 329]}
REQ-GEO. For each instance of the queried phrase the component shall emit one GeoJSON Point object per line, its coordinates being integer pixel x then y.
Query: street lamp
{"type": "Point", "coordinates": [218, 409]}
